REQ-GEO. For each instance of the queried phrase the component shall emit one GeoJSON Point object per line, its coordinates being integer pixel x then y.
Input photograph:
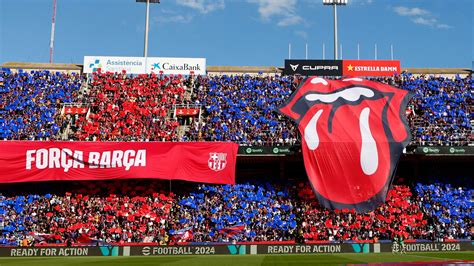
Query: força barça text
{"type": "Point", "coordinates": [66, 159]}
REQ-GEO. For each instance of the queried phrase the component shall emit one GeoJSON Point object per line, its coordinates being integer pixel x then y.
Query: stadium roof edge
{"type": "Point", "coordinates": [225, 69]}
{"type": "Point", "coordinates": [29, 65]}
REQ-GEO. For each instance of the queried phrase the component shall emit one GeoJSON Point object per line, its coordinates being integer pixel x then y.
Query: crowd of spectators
{"type": "Point", "coordinates": [398, 216]}
{"type": "Point", "coordinates": [132, 213]}
{"type": "Point", "coordinates": [442, 109]}
{"type": "Point", "coordinates": [238, 108]}
{"type": "Point", "coordinates": [243, 212]}
{"type": "Point", "coordinates": [241, 108]}
{"type": "Point", "coordinates": [137, 211]}
{"type": "Point", "coordinates": [453, 208]}
{"type": "Point", "coordinates": [31, 101]}
{"type": "Point", "coordinates": [130, 108]}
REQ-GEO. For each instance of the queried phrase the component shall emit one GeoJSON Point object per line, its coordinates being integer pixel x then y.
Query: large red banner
{"type": "Point", "coordinates": [370, 68]}
{"type": "Point", "coordinates": [209, 162]}
{"type": "Point", "coordinates": [353, 132]}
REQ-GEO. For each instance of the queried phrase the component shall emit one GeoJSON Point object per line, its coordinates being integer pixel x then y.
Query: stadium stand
{"type": "Point", "coordinates": [451, 207]}
{"type": "Point", "coordinates": [124, 108]}
{"type": "Point", "coordinates": [442, 110]}
{"type": "Point", "coordinates": [238, 108]}
{"type": "Point", "coordinates": [398, 216]}
{"type": "Point", "coordinates": [241, 109]}
{"type": "Point", "coordinates": [243, 212]}
{"type": "Point", "coordinates": [108, 211]}
{"type": "Point", "coordinates": [30, 103]}
{"type": "Point", "coordinates": [137, 211]}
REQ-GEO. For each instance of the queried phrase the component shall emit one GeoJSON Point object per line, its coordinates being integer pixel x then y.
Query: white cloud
{"type": "Point", "coordinates": [443, 26]}
{"type": "Point", "coordinates": [425, 21]}
{"type": "Point", "coordinates": [362, 2]}
{"type": "Point", "coordinates": [171, 16]}
{"type": "Point", "coordinates": [203, 6]}
{"type": "Point", "coordinates": [290, 20]}
{"type": "Point", "coordinates": [186, 18]}
{"type": "Point", "coordinates": [283, 10]}
{"type": "Point", "coordinates": [420, 16]}
{"type": "Point", "coordinates": [406, 11]}
{"type": "Point", "coordinates": [303, 34]}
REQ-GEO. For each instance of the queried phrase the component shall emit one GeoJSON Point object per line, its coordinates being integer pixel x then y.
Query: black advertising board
{"type": "Point", "coordinates": [266, 150]}
{"type": "Point", "coordinates": [313, 67]}
{"type": "Point", "coordinates": [429, 247]}
{"type": "Point", "coordinates": [437, 150]}
{"type": "Point", "coordinates": [314, 248]}
{"type": "Point", "coordinates": [189, 250]}
{"type": "Point", "coordinates": [237, 249]}
{"type": "Point", "coordinates": [60, 251]}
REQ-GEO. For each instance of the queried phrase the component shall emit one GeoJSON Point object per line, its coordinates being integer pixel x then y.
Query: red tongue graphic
{"type": "Point", "coordinates": [353, 159]}
{"type": "Point", "coordinates": [353, 133]}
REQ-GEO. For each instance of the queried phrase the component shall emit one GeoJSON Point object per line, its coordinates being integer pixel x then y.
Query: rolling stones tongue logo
{"type": "Point", "coordinates": [353, 132]}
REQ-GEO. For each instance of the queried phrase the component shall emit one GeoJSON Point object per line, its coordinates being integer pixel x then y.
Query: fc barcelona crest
{"type": "Point", "coordinates": [217, 161]}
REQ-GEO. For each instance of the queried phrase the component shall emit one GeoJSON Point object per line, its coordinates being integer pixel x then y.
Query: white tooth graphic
{"type": "Point", "coordinates": [311, 133]}
{"type": "Point", "coordinates": [352, 79]}
{"type": "Point", "coordinates": [352, 94]}
{"type": "Point", "coordinates": [369, 158]}
{"type": "Point", "coordinates": [319, 80]}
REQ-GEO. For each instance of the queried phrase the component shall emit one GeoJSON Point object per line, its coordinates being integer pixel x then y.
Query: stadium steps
{"type": "Point", "coordinates": [181, 130]}
{"type": "Point", "coordinates": [187, 95]}
{"type": "Point", "coordinates": [65, 133]}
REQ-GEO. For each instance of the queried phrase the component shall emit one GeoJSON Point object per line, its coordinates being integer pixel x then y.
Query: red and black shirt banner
{"type": "Point", "coordinates": [350, 68]}
{"type": "Point", "coordinates": [353, 132]}
{"type": "Point", "coordinates": [27, 161]}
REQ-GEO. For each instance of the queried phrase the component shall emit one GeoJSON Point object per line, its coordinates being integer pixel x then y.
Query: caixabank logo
{"type": "Point", "coordinates": [109, 251]}
{"type": "Point", "coordinates": [169, 67]}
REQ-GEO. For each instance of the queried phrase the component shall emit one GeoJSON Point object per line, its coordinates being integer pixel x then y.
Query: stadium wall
{"type": "Point", "coordinates": [221, 70]}
{"type": "Point", "coordinates": [234, 249]}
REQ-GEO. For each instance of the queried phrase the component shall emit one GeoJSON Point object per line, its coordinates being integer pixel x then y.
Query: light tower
{"type": "Point", "coordinates": [145, 49]}
{"type": "Point", "coordinates": [53, 26]}
{"type": "Point", "coordinates": [335, 3]}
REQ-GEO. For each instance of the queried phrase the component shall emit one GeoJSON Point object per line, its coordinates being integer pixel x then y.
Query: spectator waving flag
{"type": "Point", "coordinates": [182, 235]}
{"type": "Point", "coordinates": [233, 230]}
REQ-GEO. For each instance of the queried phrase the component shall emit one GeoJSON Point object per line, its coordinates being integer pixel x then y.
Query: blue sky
{"type": "Point", "coordinates": [424, 33]}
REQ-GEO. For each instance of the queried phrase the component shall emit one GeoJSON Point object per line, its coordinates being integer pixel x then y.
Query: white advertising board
{"type": "Point", "coordinates": [141, 65]}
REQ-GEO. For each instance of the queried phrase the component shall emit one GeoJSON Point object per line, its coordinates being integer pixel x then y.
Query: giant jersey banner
{"type": "Point", "coordinates": [25, 161]}
{"type": "Point", "coordinates": [353, 133]}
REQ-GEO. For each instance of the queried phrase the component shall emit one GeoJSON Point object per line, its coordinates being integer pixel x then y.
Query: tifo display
{"type": "Point", "coordinates": [142, 212]}
{"type": "Point", "coordinates": [123, 133]}
{"type": "Point", "coordinates": [238, 108]}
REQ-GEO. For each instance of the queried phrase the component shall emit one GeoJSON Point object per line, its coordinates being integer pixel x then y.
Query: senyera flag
{"type": "Point", "coordinates": [209, 162]}
{"type": "Point", "coordinates": [353, 133]}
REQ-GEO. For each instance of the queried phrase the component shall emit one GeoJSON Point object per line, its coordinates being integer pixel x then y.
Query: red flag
{"type": "Point", "coordinates": [83, 238]}
{"type": "Point", "coordinates": [233, 230]}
